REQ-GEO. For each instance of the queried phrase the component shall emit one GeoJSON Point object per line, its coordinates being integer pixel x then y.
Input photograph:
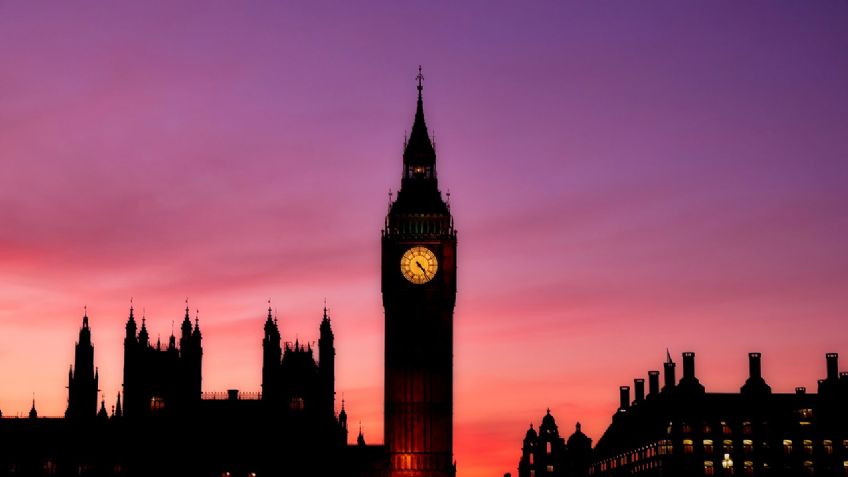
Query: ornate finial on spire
{"type": "Point", "coordinates": [85, 311]}
{"type": "Point", "coordinates": [420, 79]}
{"type": "Point", "coordinates": [578, 426]}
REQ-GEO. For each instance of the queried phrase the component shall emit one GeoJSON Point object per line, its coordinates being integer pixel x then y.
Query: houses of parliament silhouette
{"type": "Point", "coordinates": [163, 424]}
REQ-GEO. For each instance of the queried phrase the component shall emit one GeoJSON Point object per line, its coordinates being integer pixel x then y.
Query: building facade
{"type": "Point", "coordinates": [682, 430]}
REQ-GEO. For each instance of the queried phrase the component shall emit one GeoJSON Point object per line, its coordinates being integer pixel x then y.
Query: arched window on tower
{"type": "Point", "coordinates": [549, 447]}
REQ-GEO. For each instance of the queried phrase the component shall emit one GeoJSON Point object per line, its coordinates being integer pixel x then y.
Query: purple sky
{"type": "Point", "coordinates": [625, 177]}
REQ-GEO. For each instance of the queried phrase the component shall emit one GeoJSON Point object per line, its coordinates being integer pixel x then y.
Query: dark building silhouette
{"type": "Point", "coordinates": [419, 293]}
{"type": "Point", "coordinates": [546, 454]}
{"type": "Point", "coordinates": [164, 424]}
{"type": "Point", "coordinates": [682, 430]}
{"type": "Point", "coordinates": [161, 380]}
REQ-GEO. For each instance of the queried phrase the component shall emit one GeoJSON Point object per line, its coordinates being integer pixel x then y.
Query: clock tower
{"type": "Point", "coordinates": [419, 293]}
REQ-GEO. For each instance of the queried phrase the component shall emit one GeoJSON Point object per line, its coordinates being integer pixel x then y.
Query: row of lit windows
{"type": "Point", "coordinates": [804, 415]}
{"type": "Point", "coordinates": [728, 467]}
{"type": "Point", "coordinates": [748, 446]}
{"type": "Point", "coordinates": [665, 447]}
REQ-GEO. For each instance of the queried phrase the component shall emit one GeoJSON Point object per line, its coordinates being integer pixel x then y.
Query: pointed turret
{"type": "Point", "coordinates": [419, 192]}
{"type": "Point", "coordinates": [327, 365]}
{"type": "Point", "coordinates": [131, 328]}
{"type": "Point", "coordinates": [143, 336]}
{"type": "Point", "coordinates": [102, 414]}
{"type": "Point", "coordinates": [419, 151]}
{"type": "Point", "coordinates": [360, 439]}
{"type": "Point", "coordinates": [83, 377]}
{"type": "Point", "coordinates": [185, 330]}
{"type": "Point", "coordinates": [343, 424]}
{"type": "Point", "coordinates": [119, 411]}
{"type": "Point", "coordinates": [271, 358]}
{"type": "Point", "coordinates": [33, 414]}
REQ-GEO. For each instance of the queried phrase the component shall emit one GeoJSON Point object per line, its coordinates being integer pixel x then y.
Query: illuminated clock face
{"type": "Point", "coordinates": [419, 265]}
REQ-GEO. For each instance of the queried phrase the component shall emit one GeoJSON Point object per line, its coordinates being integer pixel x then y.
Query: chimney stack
{"type": "Point", "coordinates": [670, 380]}
{"type": "Point", "coordinates": [832, 366]}
{"type": "Point", "coordinates": [755, 369]}
{"type": "Point", "coordinates": [639, 389]}
{"type": "Point", "coordinates": [653, 383]}
{"type": "Point", "coordinates": [800, 390]}
{"type": "Point", "coordinates": [688, 365]}
{"type": "Point", "coordinates": [755, 384]}
{"type": "Point", "coordinates": [624, 395]}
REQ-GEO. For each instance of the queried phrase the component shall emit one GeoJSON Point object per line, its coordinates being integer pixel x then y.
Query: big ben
{"type": "Point", "coordinates": [419, 294]}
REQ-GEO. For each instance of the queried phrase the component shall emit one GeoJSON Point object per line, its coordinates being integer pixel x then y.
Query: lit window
{"type": "Point", "coordinates": [748, 446]}
{"type": "Point", "coordinates": [828, 446]}
{"type": "Point", "coordinates": [808, 468]}
{"type": "Point", "coordinates": [725, 428]}
{"type": "Point", "coordinates": [550, 468]}
{"type": "Point", "coordinates": [727, 446]}
{"type": "Point", "coordinates": [157, 404]}
{"type": "Point", "coordinates": [687, 446]}
{"type": "Point", "coordinates": [532, 473]}
{"type": "Point", "coordinates": [749, 467]}
{"type": "Point", "coordinates": [665, 447]}
{"type": "Point", "coordinates": [787, 446]}
{"type": "Point", "coordinates": [707, 428]}
{"type": "Point", "coordinates": [708, 468]}
{"type": "Point", "coordinates": [531, 459]}
{"type": "Point", "coordinates": [549, 447]}
{"type": "Point", "coordinates": [296, 403]}
{"type": "Point", "coordinates": [686, 428]}
{"type": "Point", "coordinates": [746, 427]}
{"type": "Point", "coordinates": [708, 446]}
{"type": "Point", "coordinates": [808, 447]}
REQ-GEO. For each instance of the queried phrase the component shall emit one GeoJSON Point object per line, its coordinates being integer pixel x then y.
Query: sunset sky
{"type": "Point", "coordinates": [625, 177]}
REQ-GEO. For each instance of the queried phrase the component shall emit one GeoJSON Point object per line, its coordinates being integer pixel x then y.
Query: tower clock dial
{"type": "Point", "coordinates": [419, 265]}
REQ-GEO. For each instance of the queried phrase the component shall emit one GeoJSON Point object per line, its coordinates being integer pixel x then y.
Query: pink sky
{"type": "Point", "coordinates": [624, 178]}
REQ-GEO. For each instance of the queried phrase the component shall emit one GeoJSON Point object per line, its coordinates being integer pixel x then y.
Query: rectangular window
{"type": "Point", "coordinates": [687, 446]}
{"type": "Point", "coordinates": [828, 446]}
{"type": "Point", "coordinates": [708, 468]}
{"type": "Point", "coordinates": [748, 446]}
{"type": "Point", "coordinates": [549, 447]}
{"type": "Point", "coordinates": [550, 468]}
{"type": "Point", "coordinates": [808, 447]}
{"type": "Point", "coordinates": [749, 467]}
{"type": "Point", "coordinates": [787, 447]}
{"type": "Point", "coordinates": [708, 446]}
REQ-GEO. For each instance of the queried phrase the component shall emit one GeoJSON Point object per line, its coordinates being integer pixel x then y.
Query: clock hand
{"type": "Point", "coordinates": [422, 269]}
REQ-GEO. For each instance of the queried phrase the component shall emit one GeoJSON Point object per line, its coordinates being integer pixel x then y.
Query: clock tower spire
{"type": "Point", "coordinates": [419, 294]}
